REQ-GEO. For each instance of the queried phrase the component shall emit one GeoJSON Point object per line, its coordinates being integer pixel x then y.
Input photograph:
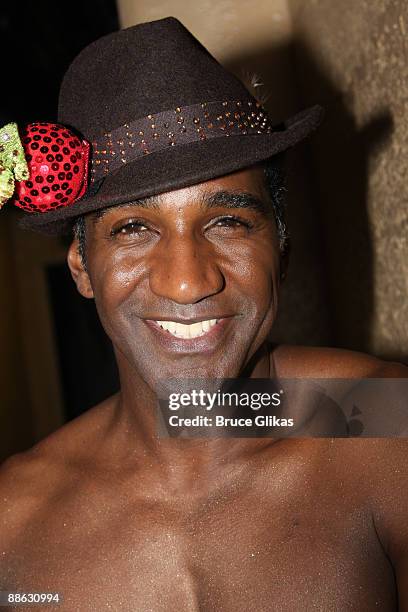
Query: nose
{"type": "Point", "coordinates": [185, 272]}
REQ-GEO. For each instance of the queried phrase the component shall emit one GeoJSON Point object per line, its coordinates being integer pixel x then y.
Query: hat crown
{"type": "Point", "coordinates": [141, 70]}
{"type": "Point", "coordinates": [160, 114]}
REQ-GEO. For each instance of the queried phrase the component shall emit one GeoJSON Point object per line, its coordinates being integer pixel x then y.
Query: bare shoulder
{"type": "Point", "coordinates": [323, 362]}
{"type": "Point", "coordinates": [31, 480]}
{"type": "Point", "coordinates": [26, 482]}
{"type": "Point", "coordinates": [377, 468]}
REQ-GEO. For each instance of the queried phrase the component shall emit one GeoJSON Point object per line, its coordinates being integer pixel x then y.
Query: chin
{"type": "Point", "coordinates": [157, 373]}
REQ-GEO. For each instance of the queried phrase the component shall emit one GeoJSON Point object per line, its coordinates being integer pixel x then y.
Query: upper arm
{"type": "Point", "coordinates": [390, 507]}
{"type": "Point", "coordinates": [14, 495]}
{"type": "Point", "coordinates": [23, 482]}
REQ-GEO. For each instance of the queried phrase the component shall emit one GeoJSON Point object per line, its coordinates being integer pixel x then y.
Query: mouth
{"type": "Point", "coordinates": [194, 335]}
{"type": "Point", "coordinates": [187, 330]}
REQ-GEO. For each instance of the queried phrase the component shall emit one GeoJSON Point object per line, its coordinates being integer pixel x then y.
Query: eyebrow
{"type": "Point", "coordinates": [224, 199]}
{"type": "Point", "coordinates": [236, 199]}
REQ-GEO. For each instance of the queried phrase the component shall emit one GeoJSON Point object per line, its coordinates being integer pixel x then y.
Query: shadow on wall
{"type": "Point", "coordinates": [328, 209]}
{"type": "Point", "coordinates": [342, 152]}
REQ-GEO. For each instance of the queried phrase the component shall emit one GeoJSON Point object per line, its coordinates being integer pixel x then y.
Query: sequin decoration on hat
{"type": "Point", "coordinates": [13, 165]}
{"type": "Point", "coordinates": [58, 165]}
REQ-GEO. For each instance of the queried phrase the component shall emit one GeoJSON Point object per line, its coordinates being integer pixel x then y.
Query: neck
{"type": "Point", "coordinates": [136, 431]}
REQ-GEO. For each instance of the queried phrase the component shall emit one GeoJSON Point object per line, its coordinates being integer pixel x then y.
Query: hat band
{"type": "Point", "coordinates": [176, 127]}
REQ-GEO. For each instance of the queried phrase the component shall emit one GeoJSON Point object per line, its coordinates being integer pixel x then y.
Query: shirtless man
{"type": "Point", "coordinates": [110, 516]}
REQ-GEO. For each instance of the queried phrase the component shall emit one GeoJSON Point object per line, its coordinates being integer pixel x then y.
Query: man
{"type": "Point", "coordinates": [180, 249]}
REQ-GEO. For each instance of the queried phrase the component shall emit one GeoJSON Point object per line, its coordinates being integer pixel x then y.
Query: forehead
{"type": "Point", "coordinates": [240, 186]}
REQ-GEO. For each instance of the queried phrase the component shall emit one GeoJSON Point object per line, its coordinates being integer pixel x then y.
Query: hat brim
{"type": "Point", "coordinates": [178, 167]}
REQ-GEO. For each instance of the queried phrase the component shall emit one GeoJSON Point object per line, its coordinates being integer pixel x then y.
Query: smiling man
{"type": "Point", "coordinates": [184, 281]}
{"type": "Point", "coordinates": [180, 241]}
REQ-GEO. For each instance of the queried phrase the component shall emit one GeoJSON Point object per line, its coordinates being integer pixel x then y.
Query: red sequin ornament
{"type": "Point", "coordinates": [58, 161]}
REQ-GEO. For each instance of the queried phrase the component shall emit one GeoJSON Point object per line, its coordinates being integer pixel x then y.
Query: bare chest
{"type": "Point", "coordinates": [248, 550]}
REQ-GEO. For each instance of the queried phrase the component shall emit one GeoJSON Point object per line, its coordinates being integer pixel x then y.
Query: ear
{"type": "Point", "coordinates": [78, 271]}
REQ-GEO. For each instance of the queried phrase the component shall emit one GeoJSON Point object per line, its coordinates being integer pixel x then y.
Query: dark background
{"type": "Point", "coordinates": [39, 43]}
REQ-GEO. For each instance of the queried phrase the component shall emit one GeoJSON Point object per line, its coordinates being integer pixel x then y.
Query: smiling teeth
{"type": "Point", "coordinates": [187, 331]}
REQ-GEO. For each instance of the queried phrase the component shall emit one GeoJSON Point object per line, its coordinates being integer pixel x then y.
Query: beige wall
{"type": "Point", "coordinates": [354, 55]}
{"type": "Point", "coordinates": [228, 28]}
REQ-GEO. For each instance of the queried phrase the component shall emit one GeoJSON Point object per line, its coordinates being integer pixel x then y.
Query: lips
{"type": "Point", "coordinates": [195, 336]}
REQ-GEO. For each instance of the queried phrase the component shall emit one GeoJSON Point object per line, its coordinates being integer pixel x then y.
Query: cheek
{"type": "Point", "coordinates": [114, 276]}
{"type": "Point", "coordinates": [254, 268]}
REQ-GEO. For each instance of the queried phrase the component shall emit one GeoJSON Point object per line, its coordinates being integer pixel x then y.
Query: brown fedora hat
{"type": "Point", "coordinates": [160, 113]}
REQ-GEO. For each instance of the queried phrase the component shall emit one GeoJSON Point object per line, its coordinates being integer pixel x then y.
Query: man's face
{"type": "Point", "coordinates": [203, 253]}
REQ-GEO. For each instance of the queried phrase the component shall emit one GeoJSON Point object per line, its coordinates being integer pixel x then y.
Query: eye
{"type": "Point", "coordinates": [129, 228]}
{"type": "Point", "coordinates": [232, 222]}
